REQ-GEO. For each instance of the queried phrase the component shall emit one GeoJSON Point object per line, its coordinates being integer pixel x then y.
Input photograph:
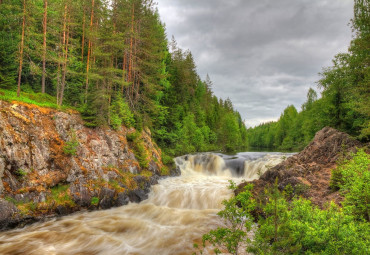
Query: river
{"type": "Point", "coordinates": [177, 213]}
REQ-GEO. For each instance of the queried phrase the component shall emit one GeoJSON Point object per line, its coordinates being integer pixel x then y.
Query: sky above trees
{"type": "Point", "coordinates": [262, 54]}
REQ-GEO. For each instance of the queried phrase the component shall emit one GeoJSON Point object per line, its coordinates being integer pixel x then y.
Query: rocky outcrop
{"type": "Point", "coordinates": [51, 164]}
{"type": "Point", "coordinates": [309, 171]}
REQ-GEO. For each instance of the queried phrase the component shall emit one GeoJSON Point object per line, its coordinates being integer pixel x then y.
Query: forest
{"type": "Point", "coordinates": [344, 102]}
{"type": "Point", "coordinates": [111, 61]}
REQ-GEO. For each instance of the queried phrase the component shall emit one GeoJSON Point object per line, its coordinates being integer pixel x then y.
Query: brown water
{"type": "Point", "coordinates": [177, 213]}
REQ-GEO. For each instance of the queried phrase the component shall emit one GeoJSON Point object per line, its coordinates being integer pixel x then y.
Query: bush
{"type": "Point", "coordinates": [131, 137]}
{"type": "Point", "coordinates": [120, 114]}
{"type": "Point", "coordinates": [138, 148]}
{"type": "Point", "coordinates": [353, 179]}
{"type": "Point", "coordinates": [21, 172]}
{"type": "Point", "coordinates": [94, 201]}
{"type": "Point", "coordinates": [289, 225]}
{"type": "Point", "coordinates": [305, 229]}
{"type": "Point", "coordinates": [166, 159]}
{"type": "Point", "coordinates": [70, 147]}
{"type": "Point", "coordinates": [238, 221]}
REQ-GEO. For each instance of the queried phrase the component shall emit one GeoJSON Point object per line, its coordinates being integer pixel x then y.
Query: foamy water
{"type": "Point", "coordinates": [177, 213]}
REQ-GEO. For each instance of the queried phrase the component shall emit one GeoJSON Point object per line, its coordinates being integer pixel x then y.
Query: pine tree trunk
{"type": "Point", "coordinates": [65, 65]}
{"type": "Point", "coordinates": [64, 55]}
{"type": "Point", "coordinates": [83, 37]}
{"type": "Point", "coordinates": [89, 51]}
{"type": "Point", "coordinates": [136, 60]}
{"type": "Point", "coordinates": [131, 43]}
{"type": "Point", "coordinates": [44, 48]}
{"type": "Point", "coordinates": [21, 50]}
{"type": "Point", "coordinates": [58, 80]}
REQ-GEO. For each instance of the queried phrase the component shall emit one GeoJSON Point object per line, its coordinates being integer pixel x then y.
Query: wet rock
{"type": "Point", "coordinates": [62, 210]}
{"type": "Point", "coordinates": [12, 180]}
{"type": "Point", "coordinates": [7, 212]}
{"type": "Point", "coordinates": [137, 195]}
{"type": "Point", "coordinates": [81, 195]}
{"type": "Point", "coordinates": [122, 199]}
{"type": "Point", "coordinates": [153, 180]}
{"type": "Point", "coordinates": [153, 167]}
{"type": "Point", "coordinates": [175, 171]}
{"type": "Point", "coordinates": [106, 198]}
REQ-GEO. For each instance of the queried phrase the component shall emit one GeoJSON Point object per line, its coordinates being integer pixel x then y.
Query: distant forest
{"type": "Point", "coordinates": [344, 103]}
{"type": "Point", "coordinates": [111, 61]}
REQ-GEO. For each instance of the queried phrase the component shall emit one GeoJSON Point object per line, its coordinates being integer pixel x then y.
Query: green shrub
{"type": "Point", "coordinates": [60, 196]}
{"type": "Point", "coordinates": [336, 179]}
{"type": "Point", "coordinates": [355, 185]}
{"type": "Point", "coordinates": [140, 154]}
{"type": "Point", "coordinates": [138, 147]}
{"type": "Point", "coordinates": [21, 172]}
{"type": "Point", "coordinates": [296, 226]}
{"type": "Point", "coordinates": [165, 171]}
{"type": "Point", "coordinates": [305, 229]}
{"type": "Point", "coordinates": [166, 159]}
{"type": "Point", "coordinates": [94, 201]}
{"type": "Point", "coordinates": [131, 137]}
{"type": "Point", "coordinates": [238, 221]}
{"type": "Point", "coordinates": [70, 147]}
{"type": "Point", "coordinates": [120, 114]}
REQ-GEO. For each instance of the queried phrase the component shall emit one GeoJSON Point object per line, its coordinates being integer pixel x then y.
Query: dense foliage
{"type": "Point", "coordinates": [344, 102]}
{"type": "Point", "coordinates": [111, 61]}
{"type": "Point", "coordinates": [288, 224]}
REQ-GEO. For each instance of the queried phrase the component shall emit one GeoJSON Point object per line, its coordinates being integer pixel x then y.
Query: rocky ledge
{"type": "Point", "coordinates": [309, 171]}
{"type": "Point", "coordinates": [51, 164]}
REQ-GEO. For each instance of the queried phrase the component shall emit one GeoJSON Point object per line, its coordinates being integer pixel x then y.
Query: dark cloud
{"type": "Point", "coordinates": [262, 54]}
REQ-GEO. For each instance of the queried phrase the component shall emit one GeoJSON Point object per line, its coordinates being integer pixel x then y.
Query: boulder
{"type": "Point", "coordinates": [309, 171]}
{"type": "Point", "coordinates": [7, 213]}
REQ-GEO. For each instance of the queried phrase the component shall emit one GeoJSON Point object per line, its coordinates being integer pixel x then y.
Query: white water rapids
{"type": "Point", "coordinates": [177, 213]}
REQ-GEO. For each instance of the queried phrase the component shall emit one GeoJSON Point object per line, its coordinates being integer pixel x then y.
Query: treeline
{"type": "Point", "coordinates": [111, 61]}
{"type": "Point", "coordinates": [344, 103]}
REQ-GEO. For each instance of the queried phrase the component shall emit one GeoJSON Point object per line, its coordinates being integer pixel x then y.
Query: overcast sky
{"type": "Point", "coordinates": [262, 54]}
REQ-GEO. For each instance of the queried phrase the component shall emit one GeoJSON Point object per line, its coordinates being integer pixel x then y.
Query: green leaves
{"type": "Point", "coordinates": [302, 228]}
{"type": "Point", "coordinates": [237, 220]}
{"type": "Point", "coordinates": [353, 179]}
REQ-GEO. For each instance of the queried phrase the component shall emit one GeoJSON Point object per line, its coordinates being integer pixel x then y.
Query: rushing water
{"type": "Point", "coordinates": [177, 213]}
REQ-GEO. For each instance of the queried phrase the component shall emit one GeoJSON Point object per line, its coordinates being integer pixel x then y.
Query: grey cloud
{"type": "Point", "coordinates": [262, 54]}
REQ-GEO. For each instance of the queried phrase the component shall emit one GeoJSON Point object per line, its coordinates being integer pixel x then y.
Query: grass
{"type": "Point", "coordinates": [39, 99]}
{"type": "Point", "coordinates": [60, 196]}
{"type": "Point", "coordinates": [116, 186]}
{"type": "Point", "coordinates": [21, 172]}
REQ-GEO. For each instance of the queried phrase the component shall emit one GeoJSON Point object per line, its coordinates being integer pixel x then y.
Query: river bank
{"type": "Point", "coordinates": [52, 165]}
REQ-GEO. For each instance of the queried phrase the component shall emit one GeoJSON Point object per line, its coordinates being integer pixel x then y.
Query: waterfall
{"type": "Point", "coordinates": [249, 166]}
{"type": "Point", "coordinates": [177, 213]}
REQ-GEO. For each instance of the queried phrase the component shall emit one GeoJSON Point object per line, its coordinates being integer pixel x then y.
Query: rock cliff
{"type": "Point", "coordinates": [309, 171]}
{"type": "Point", "coordinates": [51, 164]}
